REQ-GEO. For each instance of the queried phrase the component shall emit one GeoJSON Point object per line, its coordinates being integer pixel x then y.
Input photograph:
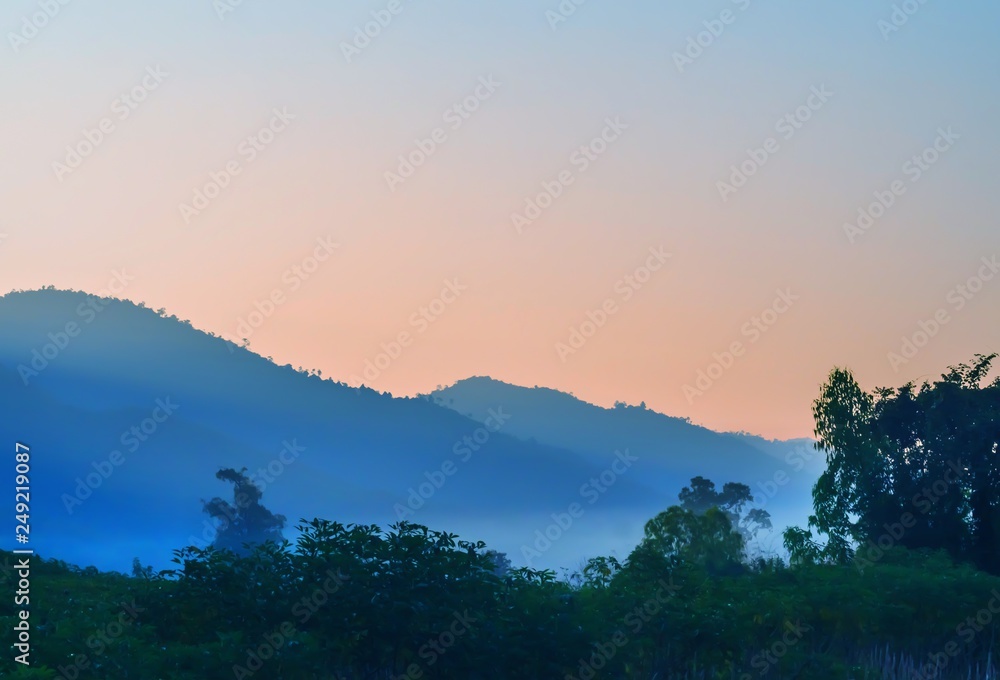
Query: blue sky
{"type": "Point", "coordinates": [656, 186]}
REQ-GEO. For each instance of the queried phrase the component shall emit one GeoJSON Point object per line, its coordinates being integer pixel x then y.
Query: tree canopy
{"type": "Point", "coordinates": [245, 521]}
{"type": "Point", "coordinates": [916, 467]}
{"type": "Point", "coordinates": [908, 495]}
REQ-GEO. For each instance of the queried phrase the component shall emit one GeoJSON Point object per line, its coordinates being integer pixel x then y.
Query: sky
{"type": "Point", "coordinates": [703, 207]}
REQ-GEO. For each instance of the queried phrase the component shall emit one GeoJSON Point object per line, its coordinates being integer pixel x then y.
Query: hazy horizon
{"type": "Point", "coordinates": [304, 137]}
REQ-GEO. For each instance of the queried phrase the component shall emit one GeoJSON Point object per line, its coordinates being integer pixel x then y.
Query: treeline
{"type": "Point", "coordinates": [913, 467]}
{"type": "Point", "coordinates": [353, 602]}
{"type": "Point", "coordinates": [896, 577]}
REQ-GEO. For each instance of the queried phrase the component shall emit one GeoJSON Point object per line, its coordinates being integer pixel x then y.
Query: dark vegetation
{"type": "Point", "coordinates": [897, 576]}
{"type": "Point", "coordinates": [245, 521]}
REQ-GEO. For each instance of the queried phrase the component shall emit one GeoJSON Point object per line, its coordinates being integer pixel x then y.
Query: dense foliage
{"type": "Point", "coordinates": [911, 467]}
{"type": "Point", "coordinates": [358, 602]}
{"type": "Point", "coordinates": [245, 520]}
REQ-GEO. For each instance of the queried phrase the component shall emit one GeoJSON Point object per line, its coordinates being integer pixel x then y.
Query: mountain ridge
{"type": "Point", "coordinates": [366, 453]}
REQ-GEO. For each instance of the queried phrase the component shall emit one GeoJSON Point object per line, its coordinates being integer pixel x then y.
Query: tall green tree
{"type": "Point", "coordinates": [705, 539]}
{"type": "Point", "coordinates": [245, 520]}
{"type": "Point", "coordinates": [734, 498]}
{"type": "Point", "coordinates": [913, 467]}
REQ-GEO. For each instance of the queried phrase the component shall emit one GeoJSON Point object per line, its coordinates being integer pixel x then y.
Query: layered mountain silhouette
{"type": "Point", "coordinates": [671, 449]}
{"type": "Point", "coordinates": [129, 414]}
{"type": "Point", "coordinates": [672, 444]}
